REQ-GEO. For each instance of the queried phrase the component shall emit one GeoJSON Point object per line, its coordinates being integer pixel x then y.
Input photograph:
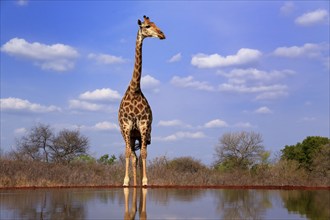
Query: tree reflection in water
{"type": "Point", "coordinates": [43, 204]}
{"type": "Point", "coordinates": [130, 213]}
{"type": "Point", "coordinates": [243, 204]}
{"type": "Point", "coordinates": [313, 204]}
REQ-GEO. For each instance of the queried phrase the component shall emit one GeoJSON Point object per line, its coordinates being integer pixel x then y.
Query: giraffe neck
{"type": "Point", "coordinates": [136, 78]}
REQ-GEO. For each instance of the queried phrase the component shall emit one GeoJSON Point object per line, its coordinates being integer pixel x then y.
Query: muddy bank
{"type": "Point", "coordinates": [287, 187]}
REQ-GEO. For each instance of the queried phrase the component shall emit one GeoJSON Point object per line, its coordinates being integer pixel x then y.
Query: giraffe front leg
{"type": "Point", "coordinates": [127, 157]}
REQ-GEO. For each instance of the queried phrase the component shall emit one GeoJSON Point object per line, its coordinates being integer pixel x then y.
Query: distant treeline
{"type": "Point", "coordinates": [44, 159]}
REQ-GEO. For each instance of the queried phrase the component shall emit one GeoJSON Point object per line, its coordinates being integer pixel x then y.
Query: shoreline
{"type": "Point", "coordinates": [258, 187]}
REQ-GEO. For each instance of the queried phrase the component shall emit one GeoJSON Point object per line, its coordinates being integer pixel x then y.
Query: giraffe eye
{"type": "Point", "coordinates": [148, 26]}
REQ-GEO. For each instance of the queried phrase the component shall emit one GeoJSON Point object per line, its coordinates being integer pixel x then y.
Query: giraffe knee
{"type": "Point", "coordinates": [144, 153]}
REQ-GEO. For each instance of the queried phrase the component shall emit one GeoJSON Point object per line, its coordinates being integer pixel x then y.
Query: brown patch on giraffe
{"type": "Point", "coordinates": [140, 106]}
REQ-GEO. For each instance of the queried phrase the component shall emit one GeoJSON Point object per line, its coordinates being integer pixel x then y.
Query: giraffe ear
{"type": "Point", "coordinates": [139, 22]}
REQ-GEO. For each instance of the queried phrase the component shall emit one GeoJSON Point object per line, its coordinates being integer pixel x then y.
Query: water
{"type": "Point", "coordinates": [119, 203]}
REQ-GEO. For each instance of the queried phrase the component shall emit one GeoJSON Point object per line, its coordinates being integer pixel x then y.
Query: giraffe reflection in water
{"type": "Point", "coordinates": [130, 212]}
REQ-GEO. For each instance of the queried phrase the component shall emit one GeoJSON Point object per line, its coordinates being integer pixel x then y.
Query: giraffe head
{"type": "Point", "coordinates": [149, 29]}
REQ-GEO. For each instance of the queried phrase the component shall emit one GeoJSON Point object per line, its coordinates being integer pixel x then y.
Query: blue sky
{"type": "Point", "coordinates": [225, 66]}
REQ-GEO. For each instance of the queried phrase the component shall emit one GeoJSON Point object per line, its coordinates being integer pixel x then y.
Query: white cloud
{"type": "Point", "coordinates": [176, 58]}
{"type": "Point", "coordinates": [307, 50]}
{"type": "Point", "coordinates": [83, 105]}
{"type": "Point", "coordinates": [243, 56]}
{"type": "Point", "coordinates": [56, 57]}
{"type": "Point", "coordinates": [254, 89]}
{"type": "Point", "coordinates": [20, 131]}
{"type": "Point", "coordinates": [216, 123]}
{"type": "Point", "coordinates": [275, 94]}
{"type": "Point", "coordinates": [16, 104]}
{"type": "Point", "coordinates": [263, 110]}
{"type": "Point", "coordinates": [287, 8]}
{"type": "Point", "coordinates": [190, 82]}
{"type": "Point", "coordinates": [105, 126]}
{"type": "Point", "coordinates": [95, 100]}
{"type": "Point", "coordinates": [241, 76]}
{"type": "Point", "coordinates": [105, 94]}
{"type": "Point", "coordinates": [170, 123]}
{"type": "Point", "coordinates": [149, 82]}
{"type": "Point", "coordinates": [319, 16]}
{"type": "Point", "coordinates": [105, 58]}
{"type": "Point", "coordinates": [182, 135]}
{"type": "Point", "coordinates": [262, 83]}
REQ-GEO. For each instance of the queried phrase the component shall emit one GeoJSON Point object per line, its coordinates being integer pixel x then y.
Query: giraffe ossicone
{"type": "Point", "coordinates": [135, 115]}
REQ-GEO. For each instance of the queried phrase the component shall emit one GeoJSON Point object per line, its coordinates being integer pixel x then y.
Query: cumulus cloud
{"type": "Point", "coordinates": [319, 16]}
{"type": "Point", "coordinates": [20, 131]}
{"type": "Point", "coordinates": [266, 91]}
{"type": "Point", "coordinates": [216, 123]}
{"type": "Point", "coordinates": [263, 110]}
{"type": "Point", "coordinates": [176, 58]}
{"type": "Point", "coordinates": [170, 123]}
{"type": "Point", "coordinates": [56, 57]}
{"type": "Point", "coordinates": [241, 76]}
{"type": "Point", "coordinates": [83, 105]}
{"type": "Point", "coordinates": [182, 135]}
{"type": "Point", "coordinates": [189, 81]}
{"type": "Point", "coordinates": [105, 94]}
{"type": "Point", "coordinates": [23, 105]}
{"type": "Point", "coordinates": [149, 82]}
{"type": "Point", "coordinates": [262, 83]}
{"type": "Point", "coordinates": [105, 126]}
{"type": "Point", "coordinates": [242, 57]}
{"type": "Point", "coordinates": [105, 58]}
{"type": "Point", "coordinates": [307, 50]}
{"type": "Point", "coordinates": [95, 100]}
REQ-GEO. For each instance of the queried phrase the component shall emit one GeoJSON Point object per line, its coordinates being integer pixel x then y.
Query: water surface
{"type": "Point", "coordinates": [137, 203]}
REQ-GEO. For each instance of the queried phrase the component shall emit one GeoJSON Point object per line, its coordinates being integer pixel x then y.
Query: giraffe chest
{"type": "Point", "coordinates": [135, 108]}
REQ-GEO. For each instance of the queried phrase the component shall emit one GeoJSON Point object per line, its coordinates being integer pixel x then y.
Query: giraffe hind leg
{"type": "Point", "coordinates": [143, 156]}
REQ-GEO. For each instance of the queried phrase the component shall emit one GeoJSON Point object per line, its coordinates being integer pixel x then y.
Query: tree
{"type": "Point", "coordinates": [35, 145]}
{"type": "Point", "coordinates": [67, 145]}
{"type": "Point", "coordinates": [321, 161]}
{"type": "Point", "coordinates": [239, 150]}
{"type": "Point", "coordinates": [305, 152]}
{"type": "Point", "coordinates": [41, 144]}
{"type": "Point", "coordinates": [107, 160]}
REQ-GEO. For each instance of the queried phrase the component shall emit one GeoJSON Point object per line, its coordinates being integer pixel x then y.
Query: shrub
{"type": "Point", "coordinates": [185, 165]}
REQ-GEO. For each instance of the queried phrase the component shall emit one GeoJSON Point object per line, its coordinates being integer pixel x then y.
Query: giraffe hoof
{"type": "Point", "coordinates": [126, 182]}
{"type": "Point", "coordinates": [144, 182]}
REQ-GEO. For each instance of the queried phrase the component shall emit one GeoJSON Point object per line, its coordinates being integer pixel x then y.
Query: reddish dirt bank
{"type": "Point", "coordinates": [179, 187]}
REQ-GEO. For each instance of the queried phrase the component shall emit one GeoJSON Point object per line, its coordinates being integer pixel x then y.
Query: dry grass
{"type": "Point", "coordinates": [40, 174]}
{"type": "Point", "coordinates": [161, 171]}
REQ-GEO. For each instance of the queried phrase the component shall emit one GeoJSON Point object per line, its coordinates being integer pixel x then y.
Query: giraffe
{"type": "Point", "coordinates": [135, 115]}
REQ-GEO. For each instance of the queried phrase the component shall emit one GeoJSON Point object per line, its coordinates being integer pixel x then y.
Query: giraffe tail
{"type": "Point", "coordinates": [137, 146]}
